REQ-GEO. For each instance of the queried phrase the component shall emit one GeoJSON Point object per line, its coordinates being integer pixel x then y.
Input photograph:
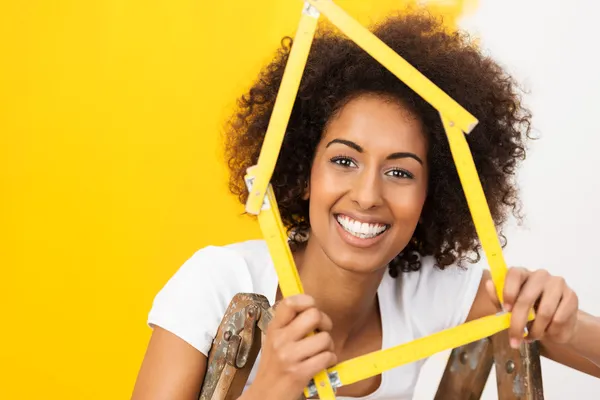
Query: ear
{"type": "Point", "coordinates": [306, 194]}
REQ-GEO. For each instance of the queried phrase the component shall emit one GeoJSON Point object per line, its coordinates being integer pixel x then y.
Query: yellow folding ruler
{"type": "Point", "coordinates": [261, 201]}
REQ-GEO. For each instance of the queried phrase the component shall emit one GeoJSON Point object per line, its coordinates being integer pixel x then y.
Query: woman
{"type": "Point", "coordinates": [379, 226]}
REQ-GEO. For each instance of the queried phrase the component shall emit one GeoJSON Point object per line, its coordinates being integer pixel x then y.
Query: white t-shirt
{"type": "Point", "coordinates": [414, 305]}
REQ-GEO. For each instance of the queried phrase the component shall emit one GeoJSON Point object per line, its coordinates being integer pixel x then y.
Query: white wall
{"type": "Point", "coordinates": [552, 47]}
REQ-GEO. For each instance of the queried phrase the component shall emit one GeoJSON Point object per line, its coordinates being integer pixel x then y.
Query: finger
{"type": "Point", "coordinates": [318, 363]}
{"type": "Point", "coordinates": [306, 322]}
{"type": "Point", "coordinates": [491, 289]}
{"type": "Point", "coordinates": [528, 295]}
{"type": "Point", "coordinates": [288, 308]}
{"type": "Point", "coordinates": [546, 309]}
{"type": "Point", "coordinates": [515, 278]}
{"type": "Point", "coordinates": [312, 345]}
{"type": "Point", "coordinates": [325, 325]}
{"type": "Point", "coordinates": [567, 310]}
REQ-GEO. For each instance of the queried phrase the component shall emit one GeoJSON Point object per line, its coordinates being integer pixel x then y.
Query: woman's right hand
{"type": "Point", "coordinates": [289, 357]}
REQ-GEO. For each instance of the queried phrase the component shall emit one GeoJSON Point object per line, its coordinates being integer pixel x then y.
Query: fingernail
{"type": "Point", "coordinates": [507, 307]}
{"type": "Point", "coordinates": [293, 300]}
{"type": "Point", "coordinates": [514, 343]}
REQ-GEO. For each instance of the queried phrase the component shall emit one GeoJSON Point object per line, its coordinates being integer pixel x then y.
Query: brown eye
{"type": "Point", "coordinates": [400, 173]}
{"type": "Point", "coordinates": [343, 161]}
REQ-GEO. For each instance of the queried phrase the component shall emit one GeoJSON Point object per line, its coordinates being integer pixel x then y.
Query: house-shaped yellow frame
{"type": "Point", "coordinates": [261, 201]}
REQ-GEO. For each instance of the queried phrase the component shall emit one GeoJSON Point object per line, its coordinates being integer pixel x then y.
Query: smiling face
{"type": "Point", "coordinates": [368, 183]}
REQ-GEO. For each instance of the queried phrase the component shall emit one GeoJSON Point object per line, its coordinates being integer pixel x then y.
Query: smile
{"type": "Point", "coordinates": [361, 230]}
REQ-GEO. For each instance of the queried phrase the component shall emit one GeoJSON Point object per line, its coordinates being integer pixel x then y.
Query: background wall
{"type": "Point", "coordinates": [548, 46]}
{"type": "Point", "coordinates": [110, 174]}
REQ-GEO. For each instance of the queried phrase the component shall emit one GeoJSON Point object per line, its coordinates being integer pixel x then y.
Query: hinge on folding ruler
{"type": "Point", "coordinates": [249, 179]}
{"type": "Point", "coordinates": [309, 9]}
{"type": "Point", "coordinates": [334, 379]}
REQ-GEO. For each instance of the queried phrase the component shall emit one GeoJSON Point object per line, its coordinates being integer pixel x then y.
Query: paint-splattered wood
{"type": "Point", "coordinates": [466, 372]}
{"type": "Point", "coordinates": [234, 349]}
{"type": "Point", "coordinates": [518, 372]}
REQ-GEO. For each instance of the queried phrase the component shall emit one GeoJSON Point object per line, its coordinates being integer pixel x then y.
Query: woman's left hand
{"type": "Point", "coordinates": [556, 306]}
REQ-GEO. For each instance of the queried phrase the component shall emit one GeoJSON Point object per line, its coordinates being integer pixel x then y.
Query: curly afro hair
{"type": "Point", "coordinates": [338, 70]}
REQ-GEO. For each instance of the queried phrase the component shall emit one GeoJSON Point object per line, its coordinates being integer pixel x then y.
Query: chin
{"type": "Point", "coordinates": [360, 264]}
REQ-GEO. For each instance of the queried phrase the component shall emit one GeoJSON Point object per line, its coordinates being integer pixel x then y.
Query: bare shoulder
{"type": "Point", "coordinates": [172, 369]}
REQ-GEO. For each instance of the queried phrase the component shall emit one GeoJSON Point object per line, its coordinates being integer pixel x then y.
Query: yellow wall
{"type": "Point", "coordinates": [110, 174]}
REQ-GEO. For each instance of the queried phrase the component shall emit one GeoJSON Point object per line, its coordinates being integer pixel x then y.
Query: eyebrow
{"type": "Point", "coordinates": [393, 156]}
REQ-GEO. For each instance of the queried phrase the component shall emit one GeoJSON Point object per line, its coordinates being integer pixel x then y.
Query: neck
{"type": "Point", "coordinates": [348, 298]}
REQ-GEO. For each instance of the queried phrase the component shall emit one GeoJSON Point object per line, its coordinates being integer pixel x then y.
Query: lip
{"type": "Point", "coordinates": [356, 241]}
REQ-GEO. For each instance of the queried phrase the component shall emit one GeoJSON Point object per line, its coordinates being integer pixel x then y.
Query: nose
{"type": "Point", "coordinates": [366, 190]}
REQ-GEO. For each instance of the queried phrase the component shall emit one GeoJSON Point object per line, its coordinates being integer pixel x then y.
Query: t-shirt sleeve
{"type": "Point", "coordinates": [442, 299]}
{"type": "Point", "coordinates": [193, 301]}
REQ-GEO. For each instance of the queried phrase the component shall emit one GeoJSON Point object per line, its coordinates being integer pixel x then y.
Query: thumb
{"type": "Point", "coordinates": [491, 289]}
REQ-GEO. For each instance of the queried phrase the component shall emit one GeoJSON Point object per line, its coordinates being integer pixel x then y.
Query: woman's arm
{"type": "Point", "coordinates": [582, 349]}
{"type": "Point", "coordinates": [174, 370]}
{"type": "Point", "coordinates": [171, 370]}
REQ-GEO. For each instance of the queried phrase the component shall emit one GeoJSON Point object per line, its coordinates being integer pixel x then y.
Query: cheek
{"type": "Point", "coordinates": [407, 203]}
{"type": "Point", "coordinates": [324, 188]}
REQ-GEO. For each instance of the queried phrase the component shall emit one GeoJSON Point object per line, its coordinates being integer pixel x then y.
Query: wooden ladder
{"type": "Point", "coordinates": [238, 341]}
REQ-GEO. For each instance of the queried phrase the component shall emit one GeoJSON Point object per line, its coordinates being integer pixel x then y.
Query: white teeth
{"type": "Point", "coordinates": [361, 230]}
